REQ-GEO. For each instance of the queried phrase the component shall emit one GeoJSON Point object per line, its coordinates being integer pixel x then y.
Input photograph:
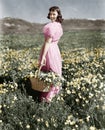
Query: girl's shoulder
{"type": "Point", "coordinates": [52, 25]}
{"type": "Point", "coordinates": [48, 25]}
{"type": "Point", "coordinates": [52, 28]}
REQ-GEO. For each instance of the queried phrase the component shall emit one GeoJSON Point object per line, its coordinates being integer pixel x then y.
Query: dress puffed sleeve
{"type": "Point", "coordinates": [53, 30]}
{"type": "Point", "coordinates": [48, 31]}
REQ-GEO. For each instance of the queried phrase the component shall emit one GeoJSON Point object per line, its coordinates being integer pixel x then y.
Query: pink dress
{"type": "Point", "coordinates": [53, 56]}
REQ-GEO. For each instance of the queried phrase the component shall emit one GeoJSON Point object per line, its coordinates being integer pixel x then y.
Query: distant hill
{"type": "Point", "coordinates": [20, 26]}
{"type": "Point", "coordinates": [81, 24]}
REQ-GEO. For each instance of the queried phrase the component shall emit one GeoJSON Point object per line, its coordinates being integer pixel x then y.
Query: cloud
{"type": "Point", "coordinates": [37, 10]}
{"type": "Point", "coordinates": [1, 10]}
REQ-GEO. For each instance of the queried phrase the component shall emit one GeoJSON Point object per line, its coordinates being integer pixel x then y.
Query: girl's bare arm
{"type": "Point", "coordinates": [46, 47]}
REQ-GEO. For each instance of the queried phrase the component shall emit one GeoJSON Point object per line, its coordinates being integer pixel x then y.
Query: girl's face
{"type": "Point", "coordinates": [53, 15]}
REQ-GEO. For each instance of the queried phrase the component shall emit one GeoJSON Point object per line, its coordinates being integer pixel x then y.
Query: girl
{"type": "Point", "coordinates": [50, 57]}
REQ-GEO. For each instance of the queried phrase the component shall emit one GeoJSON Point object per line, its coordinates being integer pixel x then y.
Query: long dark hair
{"type": "Point", "coordinates": [59, 17]}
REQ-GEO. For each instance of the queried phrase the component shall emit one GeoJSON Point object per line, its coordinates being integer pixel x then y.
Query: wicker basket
{"type": "Point", "coordinates": [39, 85]}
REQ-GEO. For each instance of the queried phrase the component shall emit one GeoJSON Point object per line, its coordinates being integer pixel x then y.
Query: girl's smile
{"type": "Point", "coordinates": [53, 15]}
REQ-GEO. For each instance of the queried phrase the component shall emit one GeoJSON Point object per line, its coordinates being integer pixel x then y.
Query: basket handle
{"type": "Point", "coordinates": [39, 70]}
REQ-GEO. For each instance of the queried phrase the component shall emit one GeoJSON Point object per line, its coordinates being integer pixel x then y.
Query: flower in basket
{"type": "Point", "coordinates": [49, 77]}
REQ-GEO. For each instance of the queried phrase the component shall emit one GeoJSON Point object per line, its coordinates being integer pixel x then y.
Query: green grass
{"type": "Point", "coordinates": [81, 103]}
{"type": "Point", "coordinates": [70, 40]}
{"type": "Point", "coordinates": [83, 39]}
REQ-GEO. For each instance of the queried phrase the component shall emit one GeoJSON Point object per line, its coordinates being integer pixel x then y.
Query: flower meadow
{"type": "Point", "coordinates": [80, 105]}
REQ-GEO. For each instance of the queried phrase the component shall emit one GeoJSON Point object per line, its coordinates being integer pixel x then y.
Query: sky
{"type": "Point", "coordinates": [36, 11]}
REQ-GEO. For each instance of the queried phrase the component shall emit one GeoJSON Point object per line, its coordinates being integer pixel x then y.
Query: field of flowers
{"type": "Point", "coordinates": [79, 106]}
